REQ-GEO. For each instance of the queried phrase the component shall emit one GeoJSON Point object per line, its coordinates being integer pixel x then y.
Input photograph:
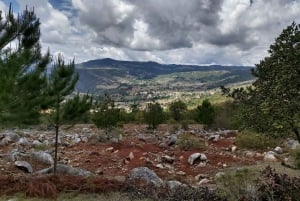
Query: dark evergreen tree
{"type": "Point", "coordinates": [106, 115]}
{"type": "Point", "coordinates": [177, 110]}
{"type": "Point", "coordinates": [77, 109]}
{"type": "Point", "coordinates": [22, 68]}
{"type": "Point", "coordinates": [61, 83]}
{"type": "Point", "coordinates": [205, 113]}
{"type": "Point", "coordinates": [153, 115]}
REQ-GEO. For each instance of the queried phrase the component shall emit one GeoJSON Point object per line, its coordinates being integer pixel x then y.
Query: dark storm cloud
{"type": "Point", "coordinates": [169, 24]}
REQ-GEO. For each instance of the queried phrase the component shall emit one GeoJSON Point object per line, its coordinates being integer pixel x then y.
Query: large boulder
{"type": "Point", "coordinates": [43, 157]}
{"type": "Point", "coordinates": [196, 156]}
{"type": "Point", "coordinates": [65, 170]}
{"type": "Point", "coordinates": [292, 144]}
{"type": "Point", "coordinates": [144, 176]}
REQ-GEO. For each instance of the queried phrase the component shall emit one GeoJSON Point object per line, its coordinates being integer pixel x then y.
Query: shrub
{"type": "Point", "coordinates": [187, 142]}
{"type": "Point", "coordinates": [224, 117]}
{"type": "Point", "coordinates": [277, 187]}
{"type": "Point", "coordinates": [295, 153]}
{"type": "Point", "coordinates": [252, 140]}
{"type": "Point", "coordinates": [193, 194]}
{"type": "Point", "coordinates": [239, 185]}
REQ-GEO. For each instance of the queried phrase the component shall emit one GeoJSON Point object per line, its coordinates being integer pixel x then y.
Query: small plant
{"type": "Point", "coordinates": [295, 153]}
{"type": "Point", "coordinates": [239, 185]}
{"type": "Point", "coordinates": [41, 147]}
{"type": "Point", "coordinates": [187, 142]}
{"type": "Point", "coordinates": [277, 187]}
{"type": "Point", "coordinates": [194, 194]}
{"type": "Point", "coordinates": [252, 140]}
{"type": "Point", "coordinates": [185, 124]}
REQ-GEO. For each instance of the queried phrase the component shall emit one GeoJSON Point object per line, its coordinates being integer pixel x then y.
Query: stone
{"type": "Point", "coordinates": [200, 176]}
{"type": "Point", "coordinates": [249, 154]}
{"type": "Point", "coordinates": [172, 140]}
{"type": "Point", "coordinates": [84, 139]}
{"type": "Point", "coordinates": [270, 157]}
{"type": "Point", "coordinates": [167, 159]}
{"type": "Point", "coordinates": [214, 138]}
{"type": "Point", "coordinates": [99, 171]}
{"type": "Point", "coordinates": [12, 136]}
{"type": "Point", "coordinates": [172, 185]}
{"type": "Point", "coordinates": [43, 157]}
{"type": "Point", "coordinates": [278, 150]}
{"type": "Point", "coordinates": [130, 156]}
{"type": "Point", "coordinates": [204, 181]}
{"type": "Point", "coordinates": [181, 173]}
{"type": "Point", "coordinates": [23, 165]}
{"type": "Point", "coordinates": [109, 149]}
{"type": "Point", "coordinates": [292, 144]}
{"type": "Point", "coordinates": [66, 170]}
{"type": "Point", "coordinates": [202, 164]}
{"type": "Point", "coordinates": [146, 176]}
{"type": "Point", "coordinates": [160, 166]}
{"type": "Point", "coordinates": [196, 156]}
{"type": "Point", "coordinates": [23, 141]}
{"type": "Point", "coordinates": [36, 143]}
{"type": "Point", "coordinates": [233, 148]}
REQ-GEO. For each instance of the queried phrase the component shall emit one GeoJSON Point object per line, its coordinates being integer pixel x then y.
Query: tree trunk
{"type": "Point", "coordinates": [56, 148]}
{"type": "Point", "coordinates": [57, 123]}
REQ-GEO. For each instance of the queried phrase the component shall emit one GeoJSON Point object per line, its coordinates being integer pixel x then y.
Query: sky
{"type": "Point", "coordinates": [227, 32]}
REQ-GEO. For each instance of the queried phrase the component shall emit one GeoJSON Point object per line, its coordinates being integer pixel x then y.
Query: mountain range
{"type": "Point", "coordinates": [129, 77]}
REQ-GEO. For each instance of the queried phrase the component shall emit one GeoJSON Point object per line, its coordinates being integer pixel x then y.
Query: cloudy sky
{"type": "Point", "coordinates": [230, 32]}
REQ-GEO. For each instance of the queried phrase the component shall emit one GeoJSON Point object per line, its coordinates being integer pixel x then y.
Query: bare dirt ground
{"type": "Point", "coordinates": [112, 160]}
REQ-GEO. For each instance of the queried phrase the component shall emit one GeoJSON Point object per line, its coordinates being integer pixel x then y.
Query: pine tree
{"type": "Point", "coordinates": [61, 83]}
{"type": "Point", "coordinates": [177, 110]}
{"type": "Point", "coordinates": [205, 113]}
{"type": "Point", "coordinates": [154, 115]}
{"type": "Point", "coordinates": [22, 68]}
{"type": "Point", "coordinates": [106, 114]}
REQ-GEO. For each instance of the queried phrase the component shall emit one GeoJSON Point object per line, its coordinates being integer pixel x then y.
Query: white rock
{"type": "Point", "coordinates": [23, 165]}
{"type": "Point", "coordinates": [192, 158]}
{"type": "Point", "coordinates": [43, 157]}
{"type": "Point", "coordinates": [270, 157]}
{"type": "Point", "coordinates": [23, 141]}
{"type": "Point", "coordinates": [233, 148]}
{"type": "Point", "coordinates": [200, 176]}
{"type": "Point", "coordinates": [160, 166]}
{"type": "Point", "coordinates": [278, 150]}
{"type": "Point", "coordinates": [203, 181]}
{"type": "Point", "coordinates": [130, 156]}
{"type": "Point", "coordinates": [109, 149]}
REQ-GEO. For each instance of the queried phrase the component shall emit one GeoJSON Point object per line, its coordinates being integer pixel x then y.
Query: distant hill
{"type": "Point", "coordinates": [129, 77]}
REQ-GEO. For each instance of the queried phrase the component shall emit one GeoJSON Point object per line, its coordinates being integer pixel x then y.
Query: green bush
{"type": "Point", "coordinates": [252, 140]}
{"type": "Point", "coordinates": [193, 194]}
{"type": "Point", "coordinates": [224, 117]}
{"type": "Point", "coordinates": [277, 187]}
{"type": "Point", "coordinates": [239, 185]}
{"type": "Point", "coordinates": [187, 142]}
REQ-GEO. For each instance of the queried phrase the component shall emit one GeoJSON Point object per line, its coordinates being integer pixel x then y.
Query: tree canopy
{"type": "Point", "coordinates": [205, 113]}
{"type": "Point", "coordinates": [22, 68]}
{"type": "Point", "coordinates": [153, 115]}
{"type": "Point", "coordinates": [272, 102]}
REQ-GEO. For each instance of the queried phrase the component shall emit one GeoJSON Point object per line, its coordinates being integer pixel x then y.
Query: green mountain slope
{"type": "Point", "coordinates": [129, 77]}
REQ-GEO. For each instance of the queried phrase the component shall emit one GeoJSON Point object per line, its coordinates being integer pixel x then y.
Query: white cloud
{"type": "Point", "coordinates": [168, 31]}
